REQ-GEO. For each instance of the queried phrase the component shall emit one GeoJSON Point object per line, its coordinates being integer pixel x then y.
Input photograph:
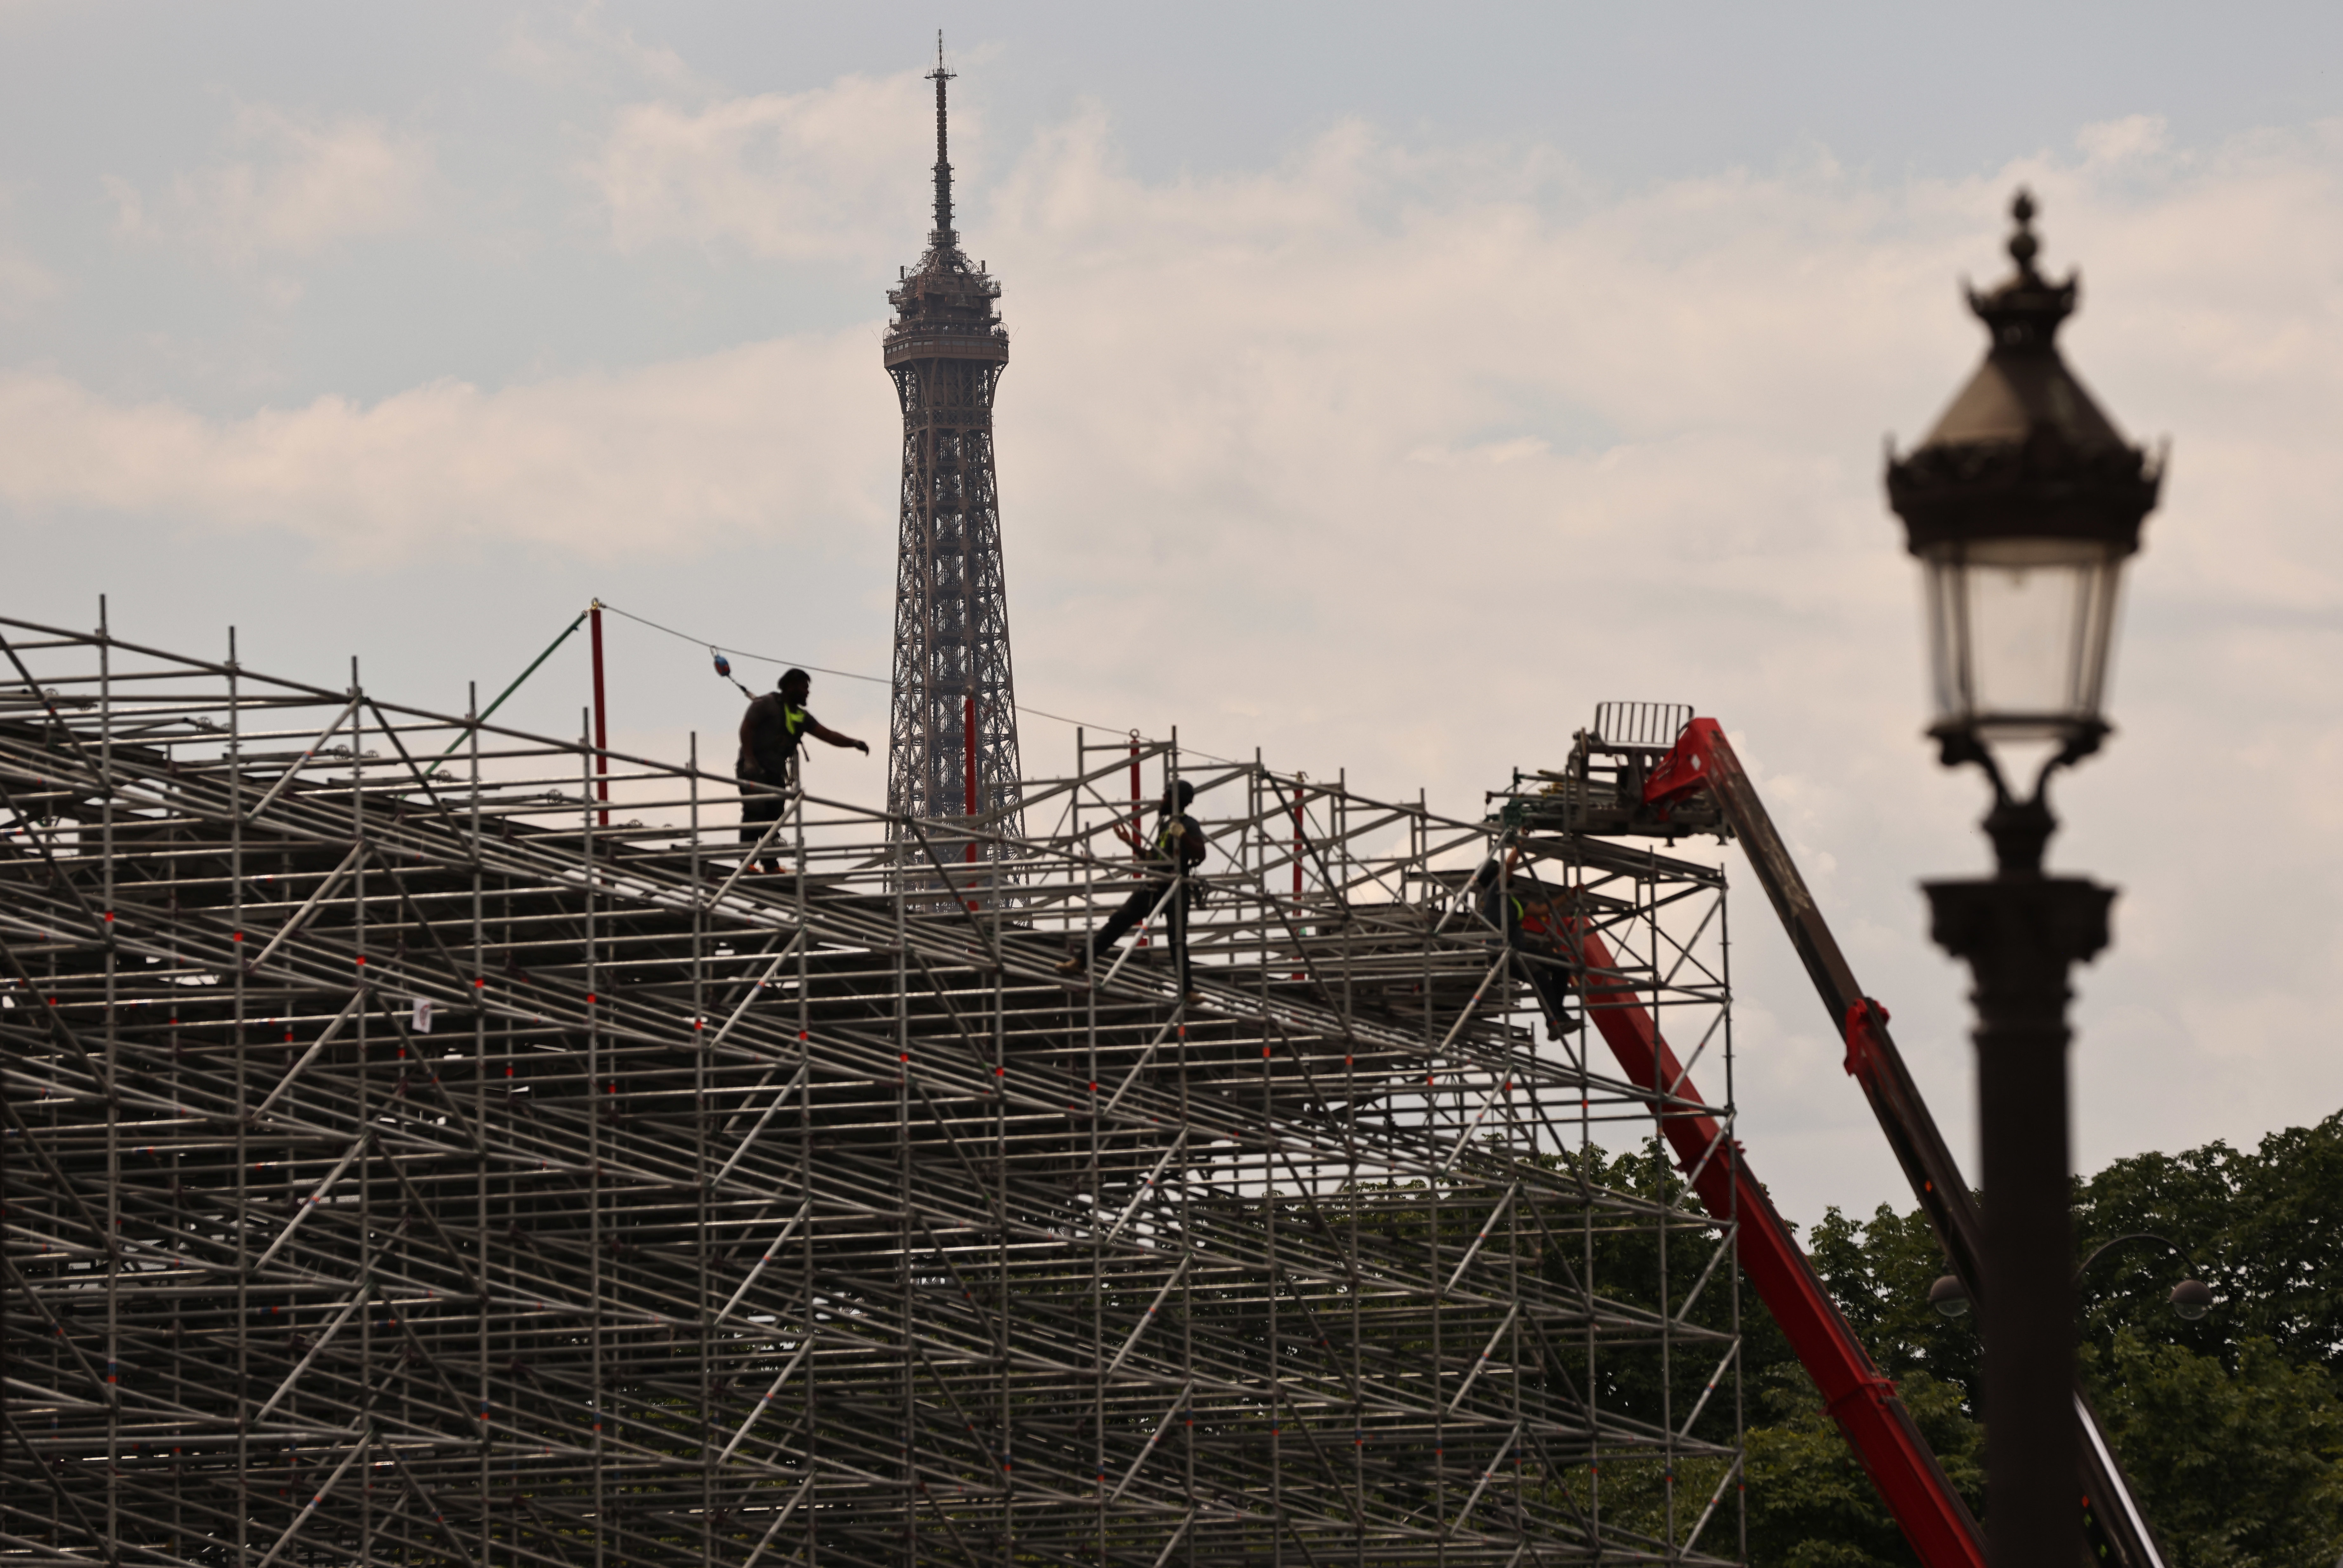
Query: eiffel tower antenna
{"type": "Point", "coordinates": [939, 75]}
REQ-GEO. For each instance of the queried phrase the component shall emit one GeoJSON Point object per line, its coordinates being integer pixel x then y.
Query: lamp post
{"type": "Point", "coordinates": [2023, 505]}
{"type": "Point", "coordinates": [2190, 1299]}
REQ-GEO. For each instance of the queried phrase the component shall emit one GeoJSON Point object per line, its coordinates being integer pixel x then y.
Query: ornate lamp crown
{"type": "Point", "coordinates": [2023, 450]}
{"type": "Point", "coordinates": [2025, 312]}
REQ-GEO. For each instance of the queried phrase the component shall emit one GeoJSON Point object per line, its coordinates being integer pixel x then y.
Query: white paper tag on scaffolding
{"type": "Point", "coordinates": [422, 1023]}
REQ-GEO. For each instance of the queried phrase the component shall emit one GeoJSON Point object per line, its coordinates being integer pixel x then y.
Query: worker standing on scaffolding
{"type": "Point", "coordinates": [773, 736]}
{"type": "Point", "coordinates": [1535, 931]}
{"type": "Point", "coordinates": [1179, 851]}
{"type": "Point", "coordinates": [1534, 919]}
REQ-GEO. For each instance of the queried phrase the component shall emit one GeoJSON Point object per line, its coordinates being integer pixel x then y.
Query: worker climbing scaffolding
{"type": "Point", "coordinates": [1178, 849]}
{"type": "Point", "coordinates": [772, 739]}
{"type": "Point", "coordinates": [1532, 916]}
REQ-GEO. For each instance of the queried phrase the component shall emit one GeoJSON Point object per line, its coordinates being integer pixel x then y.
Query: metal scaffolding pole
{"type": "Point", "coordinates": [404, 1167]}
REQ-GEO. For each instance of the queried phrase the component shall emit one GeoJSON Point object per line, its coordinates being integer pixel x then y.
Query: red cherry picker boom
{"type": "Point", "coordinates": [1653, 771]}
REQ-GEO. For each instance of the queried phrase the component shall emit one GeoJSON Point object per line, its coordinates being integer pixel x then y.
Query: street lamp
{"type": "Point", "coordinates": [2190, 1299]}
{"type": "Point", "coordinates": [2023, 505]}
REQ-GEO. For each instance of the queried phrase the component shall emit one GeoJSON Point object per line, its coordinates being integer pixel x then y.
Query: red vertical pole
{"type": "Point", "coordinates": [1138, 822]}
{"type": "Point", "coordinates": [970, 770]}
{"type": "Point", "coordinates": [1297, 850]}
{"type": "Point", "coordinates": [1297, 837]}
{"type": "Point", "coordinates": [601, 723]}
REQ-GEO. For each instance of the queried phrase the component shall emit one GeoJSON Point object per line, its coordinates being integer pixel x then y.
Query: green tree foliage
{"type": "Point", "coordinates": [2236, 1464]}
{"type": "Point", "coordinates": [2230, 1427]}
{"type": "Point", "coordinates": [1625, 1261]}
{"type": "Point", "coordinates": [1810, 1503]}
{"type": "Point", "coordinates": [2264, 1227]}
{"type": "Point", "coordinates": [1879, 1274]}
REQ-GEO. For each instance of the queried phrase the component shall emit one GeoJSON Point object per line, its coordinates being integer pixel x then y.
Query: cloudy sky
{"type": "Point", "coordinates": [1390, 384]}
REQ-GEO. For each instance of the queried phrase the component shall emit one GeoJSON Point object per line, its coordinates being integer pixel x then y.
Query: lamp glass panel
{"type": "Point", "coordinates": [2018, 634]}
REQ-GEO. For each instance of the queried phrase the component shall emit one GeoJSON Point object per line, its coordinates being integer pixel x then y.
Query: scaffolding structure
{"type": "Point", "coordinates": [402, 1167]}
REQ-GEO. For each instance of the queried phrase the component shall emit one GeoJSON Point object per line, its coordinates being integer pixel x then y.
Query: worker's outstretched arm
{"type": "Point", "coordinates": [824, 732]}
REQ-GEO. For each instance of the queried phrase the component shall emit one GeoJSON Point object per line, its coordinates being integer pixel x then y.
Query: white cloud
{"type": "Point", "coordinates": [663, 459]}
{"type": "Point", "coordinates": [588, 47]}
{"type": "Point", "coordinates": [2116, 141]}
{"type": "Point", "coordinates": [818, 174]}
{"type": "Point", "coordinates": [24, 282]}
{"type": "Point", "coordinates": [294, 187]}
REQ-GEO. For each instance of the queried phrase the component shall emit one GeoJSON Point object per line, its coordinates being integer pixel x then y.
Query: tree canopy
{"type": "Point", "coordinates": [2230, 1427]}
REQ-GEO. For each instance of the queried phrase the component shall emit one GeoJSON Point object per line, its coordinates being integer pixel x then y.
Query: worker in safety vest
{"type": "Point", "coordinates": [1178, 850]}
{"type": "Point", "coordinates": [772, 734]}
{"type": "Point", "coordinates": [1532, 915]}
{"type": "Point", "coordinates": [1539, 939]}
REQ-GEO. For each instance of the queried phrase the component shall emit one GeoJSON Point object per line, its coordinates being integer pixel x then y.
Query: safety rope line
{"type": "Point", "coordinates": [720, 648]}
{"type": "Point", "coordinates": [524, 675]}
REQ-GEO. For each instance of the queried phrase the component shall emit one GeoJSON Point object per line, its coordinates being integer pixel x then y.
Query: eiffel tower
{"type": "Point", "coordinates": [951, 743]}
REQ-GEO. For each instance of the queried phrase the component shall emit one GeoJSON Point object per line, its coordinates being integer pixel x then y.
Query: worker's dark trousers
{"type": "Point", "coordinates": [1553, 986]}
{"type": "Point", "coordinates": [760, 804]}
{"type": "Point", "coordinates": [1136, 908]}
